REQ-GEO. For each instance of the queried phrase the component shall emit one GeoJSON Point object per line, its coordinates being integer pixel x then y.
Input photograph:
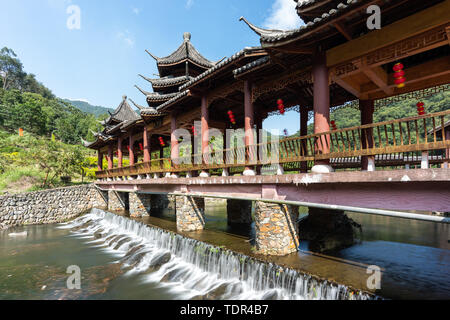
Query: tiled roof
{"type": "Point", "coordinates": [123, 112]}
{"type": "Point", "coordinates": [186, 51]}
{"type": "Point", "coordinates": [219, 66]}
{"type": "Point", "coordinates": [259, 62]}
{"type": "Point", "coordinates": [271, 36]}
{"type": "Point", "coordinates": [167, 81]}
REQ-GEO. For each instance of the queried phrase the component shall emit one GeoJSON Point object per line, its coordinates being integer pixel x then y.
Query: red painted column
{"type": "Point", "coordinates": [146, 142]}
{"type": "Point", "coordinates": [304, 132]}
{"type": "Point", "coordinates": [205, 134]}
{"type": "Point", "coordinates": [131, 151]}
{"type": "Point", "coordinates": [174, 148]}
{"type": "Point", "coordinates": [321, 108]}
{"type": "Point", "coordinates": [99, 160]}
{"type": "Point", "coordinates": [249, 121]}
{"type": "Point", "coordinates": [110, 157]}
{"type": "Point", "coordinates": [119, 152]}
{"type": "Point", "coordinates": [367, 108]}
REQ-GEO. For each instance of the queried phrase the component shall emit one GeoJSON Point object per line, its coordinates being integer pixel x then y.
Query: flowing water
{"type": "Point", "coordinates": [122, 258]}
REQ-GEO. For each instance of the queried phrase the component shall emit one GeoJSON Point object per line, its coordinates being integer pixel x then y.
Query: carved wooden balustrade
{"type": "Point", "coordinates": [393, 143]}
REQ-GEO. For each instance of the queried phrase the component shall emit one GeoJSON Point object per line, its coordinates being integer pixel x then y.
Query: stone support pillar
{"type": "Point", "coordinates": [239, 211]}
{"type": "Point", "coordinates": [276, 228]}
{"type": "Point", "coordinates": [117, 201]}
{"type": "Point", "coordinates": [190, 213]}
{"type": "Point", "coordinates": [140, 204]}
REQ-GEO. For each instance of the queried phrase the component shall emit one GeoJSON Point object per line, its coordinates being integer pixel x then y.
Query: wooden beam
{"type": "Point", "coordinates": [415, 24]}
{"type": "Point", "coordinates": [378, 76]}
{"type": "Point", "coordinates": [427, 71]}
{"type": "Point", "coordinates": [343, 30]}
{"type": "Point", "coordinates": [347, 85]}
{"type": "Point", "coordinates": [447, 30]}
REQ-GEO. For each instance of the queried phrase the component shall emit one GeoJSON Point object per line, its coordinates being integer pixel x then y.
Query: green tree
{"type": "Point", "coordinates": [11, 69]}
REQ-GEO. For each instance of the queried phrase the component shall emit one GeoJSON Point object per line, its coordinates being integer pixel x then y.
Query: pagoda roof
{"type": "Point", "coordinates": [168, 81]}
{"type": "Point", "coordinates": [148, 111]}
{"type": "Point", "coordinates": [122, 113]}
{"type": "Point", "coordinates": [309, 9]}
{"type": "Point", "coordinates": [185, 52]}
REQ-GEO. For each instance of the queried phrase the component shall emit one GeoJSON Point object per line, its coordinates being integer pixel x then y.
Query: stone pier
{"type": "Point", "coordinates": [276, 228]}
{"type": "Point", "coordinates": [239, 211]}
{"type": "Point", "coordinates": [117, 201]}
{"type": "Point", "coordinates": [328, 230]}
{"type": "Point", "coordinates": [190, 213]}
{"type": "Point", "coordinates": [140, 204]}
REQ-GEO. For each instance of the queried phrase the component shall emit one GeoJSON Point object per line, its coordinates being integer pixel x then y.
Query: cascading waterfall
{"type": "Point", "coordinates": [196, 270]}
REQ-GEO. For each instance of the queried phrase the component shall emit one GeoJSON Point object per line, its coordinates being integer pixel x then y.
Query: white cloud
{"type": "Point", "coordinates": [189, 4]}
{"type": "Point", "coordinates": [126, 37]}
{"type": "Point", "coordinates": [136, 11]}
{"type": "Point", "coordinates": [283, 16]}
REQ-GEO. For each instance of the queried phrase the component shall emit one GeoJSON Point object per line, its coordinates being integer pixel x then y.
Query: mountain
{"type": "Point", "coordinates": [88, 108]}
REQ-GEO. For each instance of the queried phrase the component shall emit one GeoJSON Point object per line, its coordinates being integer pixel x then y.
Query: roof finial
{"type": "Point", "coordinates": [124, 97]}
{"type": "Point", "coordinates": [187, 36]}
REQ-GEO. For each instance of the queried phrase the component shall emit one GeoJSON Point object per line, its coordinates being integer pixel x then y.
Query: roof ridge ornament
{"type": "Point", "coordinates": [136, 105]}
{"type": "Point", "coordinates": [143, 91]}
{"type": "Point", "coordinates": [259, 31]}
{"type": "Point", "coordinates": [154, 57]}
{"type": "Point", "coordinates": [187, 36]}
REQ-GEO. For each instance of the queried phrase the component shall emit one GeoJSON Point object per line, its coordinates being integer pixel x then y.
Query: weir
{"type": "Point", "coordinates": [199, 270]}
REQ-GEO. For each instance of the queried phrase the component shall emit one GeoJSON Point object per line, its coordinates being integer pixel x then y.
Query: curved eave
{"type": "Point", "coordinates": [252, 66]}
{"type": "Point", "coordinates": [277, 38]}
{"type": "Point", "coordinates": [163, 83]}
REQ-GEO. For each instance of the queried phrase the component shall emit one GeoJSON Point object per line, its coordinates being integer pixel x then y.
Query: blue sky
{"type": "Point", "coordinates": [100, 62]}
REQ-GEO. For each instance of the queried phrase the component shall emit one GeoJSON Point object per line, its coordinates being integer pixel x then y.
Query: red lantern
{"type": "Point", "coordinates": [280, 106]}
{"type": "Point", "coordinates": [420, 108]}
{"type": "Point", "coordinates": [231, 116]}
{"type": "Point", "coordinates": [194, 131]}
{"type": "Point", "coordinates": [128, 147]}
{"type": "Point", "coordinates": [333, 125]}
{"type": "Point", "coordinates": [399, 75]}
{"type": "Point", "coordinates": [141, 146]}
{"type": "Point", "coordinates": [161, 142]}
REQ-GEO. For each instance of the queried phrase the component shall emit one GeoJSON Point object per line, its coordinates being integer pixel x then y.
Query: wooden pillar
{"type": "Point", "coordinates": [146, 142]}
{"type": "Point", "coordinates": [447, 151]}
{"type": "Point", "coordinates": [99, 160]}
{"type": "Point", "coordinates": [174, 147]}
{"type": "Point", "coordinates": [110, 157]}
{"type": "Point", "coordinates": [321, 110]}
{"type": "Point", "coordinates": [119, 152]}
{"type": "Point", "coordinates": [131, 150]}
{"type": "Point", "coordinates": [248, 126]}
{"type": "Point", "coordinates": [367, 108]}
{"type": "Point", "coordinates": [304, 132]}
{"type": "Point", "coordinates": [205, 134]}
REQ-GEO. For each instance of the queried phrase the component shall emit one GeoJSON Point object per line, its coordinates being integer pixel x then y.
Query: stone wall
{"type": "Point", "coordinates": [276, 228]}
{"type": "Point", "coordinates": [140, 204]}
{"type": "Point", "coordinates": [190, 213]}
{"type": "Point", "coordinates": [117, 201]}
{"type": "Point", "coordinates": [49, 206]}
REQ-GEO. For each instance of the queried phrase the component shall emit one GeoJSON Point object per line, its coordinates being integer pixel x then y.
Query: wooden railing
{"type": "Point", "coordinates": [387, 140]}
